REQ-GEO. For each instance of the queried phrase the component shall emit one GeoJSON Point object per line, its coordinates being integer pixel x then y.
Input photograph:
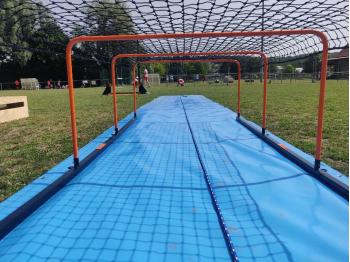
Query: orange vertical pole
{"type": "Point", "coordinates": [72, 103]}
{"type": "Point", "coordinates": [238, 89]}
{"type": "Point", "coordinates": [266, 63]}
{"type": "Point", "coordinates": [319, 34]}
{"type": "Point", "coordinates": [321, 100]}
{"type": "Point", "coordinates": [233, 79]}
{"type": "Point", "coordinates": [114, 94]}
{"type": "Point", "coordinates": [263, 56]}
{"type": "Point", "coordinates": [134, 85]}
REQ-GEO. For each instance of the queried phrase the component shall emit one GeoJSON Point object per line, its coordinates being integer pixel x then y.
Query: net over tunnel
{"type": "Point", "coordinates": [164, 189]}
{"type": "Point", "coordinates": [183, 178]}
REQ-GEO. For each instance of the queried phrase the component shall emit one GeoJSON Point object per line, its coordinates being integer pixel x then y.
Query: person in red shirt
{"type": "Point", "coordinates": [17, 84]}
{"type": "Point", "coordinates": [180, 82]}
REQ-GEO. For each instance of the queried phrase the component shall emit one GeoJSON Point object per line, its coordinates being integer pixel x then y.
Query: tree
{"type": "Point", "coordinates": [227, 68]}
{"type": "Point", "coordinates": [47, 36]}
{"type": "Point", "coordinates": [252, 65]}
{"type": "Point", "coordinates": [159, 68]}
{"type": "Point", "coordinates": [273, 68]}
{"type": "Point", "coordinates": [31, 42]}
{"type": "Point", "coordinates": [17, 24]}
{"type": "Point", "coordinates": [192, 68]}
{"type": "Point", "coordinates": [107, 17]}
{"type": "Point", "coordinates": [201, 68]}
{"type": "Point", "coordinates": [289, 69]}
{"type": "Point", "coordinates": [312, 64]}
{"type": "Point", "coordinates": [189, 68]}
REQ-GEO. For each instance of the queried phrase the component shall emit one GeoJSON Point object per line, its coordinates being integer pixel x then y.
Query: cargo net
{"type": "Point", "coordinates": [46, 25]}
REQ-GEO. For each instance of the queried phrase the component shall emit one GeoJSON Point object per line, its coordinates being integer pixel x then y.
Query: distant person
{"type": "Point", "coordinates": [59, 84]}
{"type": "Point", "coordinates": [84, 83]}
{"type": "Point", "coordinates": [48, 84]}
{"type": "Point", "coordinates": [108, 89]}
{"type": "Point", "coordinates": [142, 89]}
{"type": "Point", "coordinates": [136, 80]}
{"type": "Point", "coordinates": [145, 78]}
{"type": "Point", "coordinates": [180, 82]}
{"type": "Point", "coordinates": [17, 83]}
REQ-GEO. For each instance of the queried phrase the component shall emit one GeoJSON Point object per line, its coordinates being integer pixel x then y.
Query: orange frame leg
{"type": "Point", "coordinates": [320, 35]}
{"type": "Point", "coordinates": [263, 56]}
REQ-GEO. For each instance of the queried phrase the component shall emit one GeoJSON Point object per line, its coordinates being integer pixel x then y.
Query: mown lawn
{"type": "Point", "coordinates": [31, 146]}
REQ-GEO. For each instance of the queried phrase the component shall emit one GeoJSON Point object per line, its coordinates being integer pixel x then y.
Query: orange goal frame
{"type": "Point", "coordinates": [223, 53]}
{"type": "Point", "coordinates": [323, 73]}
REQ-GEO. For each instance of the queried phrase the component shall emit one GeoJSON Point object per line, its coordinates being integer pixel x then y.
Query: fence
{"type": "Point", "coordinates": [58, 84]}
{"type": "Point", "coordinates": [274, 78]}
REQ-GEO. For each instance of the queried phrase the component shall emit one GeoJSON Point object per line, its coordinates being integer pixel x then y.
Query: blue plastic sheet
{"type": "Point", "coordinates": [145, 198]}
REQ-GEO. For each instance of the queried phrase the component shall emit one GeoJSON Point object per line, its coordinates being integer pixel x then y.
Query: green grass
{"type": "Point", "coordinates": [31, 146]}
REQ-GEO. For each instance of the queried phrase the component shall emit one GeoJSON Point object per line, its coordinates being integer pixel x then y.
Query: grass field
{"type": "Point", "coordinates": [31, 146]}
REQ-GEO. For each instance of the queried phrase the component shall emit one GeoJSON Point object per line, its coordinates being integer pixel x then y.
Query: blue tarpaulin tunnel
{"type": "Point", "coordinates": [204, 190]}
{"type": "Point", "coordinates": [145, 197]}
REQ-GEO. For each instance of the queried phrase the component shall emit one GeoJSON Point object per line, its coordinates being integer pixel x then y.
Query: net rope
{"type": "Point", "coordinates": [85, 17]}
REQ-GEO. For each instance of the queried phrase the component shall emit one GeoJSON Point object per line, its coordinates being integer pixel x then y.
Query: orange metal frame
{"type": "Point", "coordinates": [227, 53]}
{"type": "Point", "coordinates": [319, 34]}
{"type": "Point", "coordinates": [191, 60]}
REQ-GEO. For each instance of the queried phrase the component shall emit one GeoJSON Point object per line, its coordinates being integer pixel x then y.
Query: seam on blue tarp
{"type": "Point", "coordinates": [185, 188]}
{"type": "Point", "coordinates": [262, 182]}
{"type": "Point", "coordinates": [150, 143]}
{"type": "Point", "coordinates": [218, 141]}
{"type": "Point", "coordinates": [216, 206]}
{"type": "Point", "coordinates": [293, 208]}
{"type": "Point", "coordinates": [210, 142]}
{"type": "Point", "coordinates": [333, 172]}
{"type": "Point", "coordinates": [137, 186]}
{"type": "Point", "coordinates": [287, 252]}
{"type": "Point", "coordinates": [277, 155]}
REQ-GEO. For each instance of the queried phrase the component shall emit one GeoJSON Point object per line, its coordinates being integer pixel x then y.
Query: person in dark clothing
{"type": "Point", "coordinates": [142, 89]}
{"type": "Point", "coordinates": [108, 89]}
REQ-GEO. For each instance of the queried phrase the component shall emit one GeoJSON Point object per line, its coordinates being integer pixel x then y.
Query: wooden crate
{"type": "Point", "coordinates": [13, 107]}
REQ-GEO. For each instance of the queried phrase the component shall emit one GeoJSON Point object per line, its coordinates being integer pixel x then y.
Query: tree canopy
{"type": "Point", "coordinates": [29, 33]}
{"type": "Point", "coordinates": [34, 34]}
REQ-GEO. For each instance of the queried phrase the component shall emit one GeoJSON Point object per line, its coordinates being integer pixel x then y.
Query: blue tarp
{"type": "Point", "coordinates": [145, 197]}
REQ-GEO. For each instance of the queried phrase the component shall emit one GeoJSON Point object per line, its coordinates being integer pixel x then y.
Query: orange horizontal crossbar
{"type": "Point", "coordinates": [194, 54]}
{"type": "Point", "coordinates": [272, 33]}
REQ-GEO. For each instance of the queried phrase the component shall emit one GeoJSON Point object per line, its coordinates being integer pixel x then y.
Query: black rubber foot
{"type": "Point", "coordinates": [263, 131]}
{"type": "Point", "coordinates": [116, 130]}
{"type": "Point", "coordinates": [134, 115]}
{"type": "Point", "coordinates": [76, 162]}
{"type": "Point", "coordinates": [317, 164]}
